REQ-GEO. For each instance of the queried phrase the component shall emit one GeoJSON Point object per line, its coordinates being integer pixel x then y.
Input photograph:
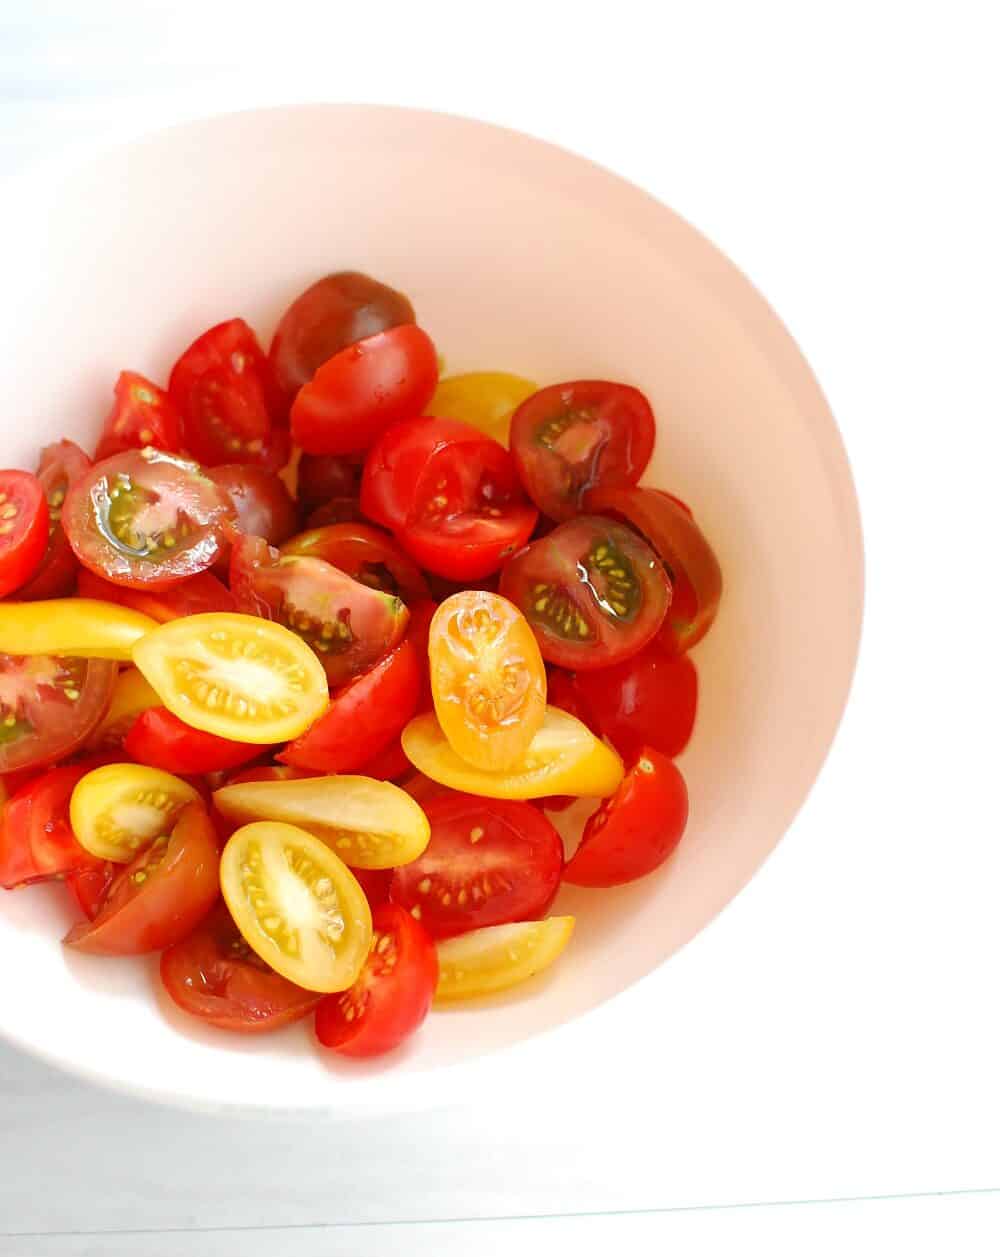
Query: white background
{"type": "Point", "coordinates": [834, 1035]}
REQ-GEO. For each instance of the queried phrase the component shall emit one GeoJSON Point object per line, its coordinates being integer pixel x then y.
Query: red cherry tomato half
{"type": "Point", "coordinates": [668, 526]}
{"type": "Point", "coordinates": [331, 314]}
{"type": "Point", "coordinates": [392, 995]}
{"type": "Point", "coordinates": [213, 975]}
{"type": "Point", "coordinates": [375, 883]}
{"type": "Point", "coordinates": [36, 841]}
{"type": "Point", "coordinates": [360, 391]}
{"type": "Point", "coordinates": [592, 590]}
{"type": "Point", "coordinates": [634, 831]}
{"type": "Point", "coordinates": [363, 718]}
{"type": "Point", "coordinates": [162, 740]}
{"type": "Point", "coordinates": [60, 465]}
{"type": "Point", "coordinates": [489, 861]}
{"type": "Point", "coordinates": [264, 507]}
{"type": "Point", "coordinates": [142, 415]}
{"type": "Point", "coordinates": [367, 554]}
{"type": "Point", "coordinates": [325, 476]}
{"type": "Point", "coordinates": [90, 886]}
{"type": "Point", "coordinates": [570, 438]}
{"type": "Point", "coordinates": [146, 520]}
{"type": "Point", "coordinates": [197, 595]}
{"type": "Point", "coordinates": [48, 707]}
{"type": "Point", "coordinates": [160, 897]}
{"type": "Point", "coordinates": [24, 528]}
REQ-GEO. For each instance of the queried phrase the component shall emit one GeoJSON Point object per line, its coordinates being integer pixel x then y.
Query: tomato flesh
{"type": "Point", "coordinates": [36, 841]}
{"type": "Point", "coordinates": [365, 553]}
{"type": "Point", "coordinates": [161, 740]}
{"type": "Point", "coordinates": [116, 809]}
{"type": "Point", "coordinates": [49, 706]}
{"type": "Point", "coordinates": [142, 415]}
{"type": "Point", "coordinates": [498, 957]}
{"type": "Point", "coordinates": [24, 528]}
{"type": "Point", "coordinates": [59, 466]}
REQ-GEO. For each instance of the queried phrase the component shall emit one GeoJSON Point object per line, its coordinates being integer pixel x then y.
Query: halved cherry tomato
{"type": "Point", "coordinates": [487, 679]}
{"type": "Point", "coordinates": [236, 676]}
{"type": "Point", "coordinates": [146, 520]}
{"type": "Point", "coordinates": [162, 740]}
{"type": "Point", "coordinates": [489, 861]}
{"type": "Point", "coordinates": [325, 476]}
{"type": "Point", "coordinates": [348, 625]}
{"type": "Point", "coordinates": [117, 809]}
{"type": "Point", "coordinates": [48, 707]}
{"type": "Point", "coordinates": [71, 628]}
{"type": "Point", "coordinates": [573, 437]}
{"type": "Point", "coordinates": [297, 904]}
{"type": "Point", "coordinates": [161, 896]}
{"type": "Point", "coordinates": [370, 824]}
{"type": "Point", "coordinates": [331, 314]}
{"type": "Point", "coordinates": [392, 994]}
{"type": "Point", "coordinates": [196, 595]}
{"type": "Point", "coordinates": [213, 975]}
{"type": "Point", "coordinates": [363, 717]}
{"type": "Point", "coordinates": [36, 840]}
{"type": "Point", "coordinates": [59, 466]}
{"type": "Point", "coordinates": [592, 590]}
{"type": "Point", "coordinates": [355, 395]}
{"type": "Point", "coordinates": [225, 392]}
{"type": "Point", "coordinates": [498, 957]}
{"type": "Point", "coordinates": [694, 571]}
{"type": "Point", "coordinates": [264, 507]}
{"type": "Point", "coordinates": [142, 415]}
{"type": "Point", "coordinates": [484, 399]}
{"type": "Point", "coordinates": [365, 553]}
{"type": "Point", "coordinates": [24, 528]}
{"type": "Point", "coordinates": [564, 758]}
{"type": "Point", "coordinates": [450, 494]}
{"type": "Point", "coordinates": [634, 831]}
{"type": "Point", "coordinates": [132, 694]}
{"type": "Point", "coordinates": [89, 886]}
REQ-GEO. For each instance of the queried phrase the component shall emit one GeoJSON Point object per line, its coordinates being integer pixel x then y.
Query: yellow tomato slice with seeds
{"type": "Point", "coordinates": [486, 399]}
{"type": "Point", "coordinates": [131, 696]}
{"type": "Point", "coordinates": [236, 676]}
{"type": "Point", "coordinates": [487, 678]}
{"type": "Point", "coordinates": [297, 905]}
{"type": "Point", "coordinates": [498, 957]}
{"type": "Point", "coordinates": [118, 809]}
{"type": "Point", "coordinates": [370, 824]}
{"type": "Point", "coordinates": [564, 758]}
{"type": "Point", "coordinates": [79, 628]}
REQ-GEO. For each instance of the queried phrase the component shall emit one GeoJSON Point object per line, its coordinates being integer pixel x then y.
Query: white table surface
{"type": "Point", "coordinates": [833, 1036]}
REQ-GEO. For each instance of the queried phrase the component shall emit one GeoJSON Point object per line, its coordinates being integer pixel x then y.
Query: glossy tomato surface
{"type": "Point", "coordinates": [59, 465]}
{"type": "Point", "coordinates": [48, 707]}
{"type": "Point", "coordinates": [195, 595]}
{"type": "Point", "coordinates": [24, 528]}
{"type": "Point", "coordinates": [142, 414]}
{"type": "Point", "coordinates": [325, 476]}
{"type": "Point", "coordinates": [264, 507]}
{"type": "Point", "coordinates": [36, 841]}
{"type": "Point", "coordinates": [160, 739]}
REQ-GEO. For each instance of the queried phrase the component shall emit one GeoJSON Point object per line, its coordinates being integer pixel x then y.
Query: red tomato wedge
{"type": "Point", "coordinates": [142, 415]}
{"type": "Point", "coordinates": [162, 740]}
{"type": "Point", "coordinates": [48, 707]}
{"type": "Point", "coordinates": [59, 466]}
{"type": "Point", "coordinates": [196, 595]}
{"type": "Point", "coordinates": [24, 528]}
{"type": "Point", "coordinates": [36, 841]}
{"type": "Point", "coordinates": [264, 507]}
{"type": "Point", "coordinates": [365, 553]}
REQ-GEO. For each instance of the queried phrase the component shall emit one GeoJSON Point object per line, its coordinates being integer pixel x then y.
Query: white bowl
{"type": "Point", "coordinates": [516, 256]}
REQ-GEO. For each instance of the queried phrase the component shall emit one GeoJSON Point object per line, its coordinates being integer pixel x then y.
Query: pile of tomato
{"type": "Point", "coordinates": [293, 675]}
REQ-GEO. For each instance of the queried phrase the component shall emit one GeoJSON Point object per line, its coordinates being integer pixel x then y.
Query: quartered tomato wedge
{"type": "Point", "coordinates": [498, 957]}
{"type": "Point", "coordinates": [570, 438]}
{"type": "Point", "coordinates": [49, 706]}
{"type": "Point", "coordinates": [24, 528]}
{"type": "Point", "coordinates": [215, 976]}
{"type": "Point", "coordinates": [132, 695]}
{"type": "Point", "coordinates": [264, 507]}
{"type": "Point", "coordinates": [484, 399]}
{"type": "Point", "coordinates": [196, 595]}
{"type": "Point", "coordinates": [146, 520]}
{"type": "Point", "coordinates": [592, 590]}
{"type": "Point", "coordinates": [367, 554]}
{"type": "Point", "coordinates": [392, 994]}
{"type": "Point", "coordinates": [117, 809]}
{"type": "Point", "coordinates": [142, 415]}
{"type": "Point", "coordinates": [325, 476]}
{"type": "Point", "coordinates": [162, 740]}
{"type": "Point", "coordinates": [59, 466]}
{"type": "Point", "coordinates": [694, 571]}
{"type": "Point", "coordinates": [71, 627]}
{"type": "Point", "coordinates": [36, 840]}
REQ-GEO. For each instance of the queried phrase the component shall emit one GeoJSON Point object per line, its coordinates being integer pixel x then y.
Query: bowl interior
{"type": "Point", "coordinates": [517, 256]}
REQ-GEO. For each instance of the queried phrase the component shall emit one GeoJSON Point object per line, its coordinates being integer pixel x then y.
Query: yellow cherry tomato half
{"type": "Point", "coordinates": [82, 628]}
{"type": "Point", "coordinates": [118, 809]}
{"type": "Point", "coordinates": [370, 824]}
{"type": "Point", "coordinates": [564, 758]}
{"type": "Point", "coordinates": [297, 905]}
{"type": "Point", "coordinates": [236, 676]}
{"type": "Point", "coordinates": [131, 696]}
{"type": "Point", "coordinates": [487, 678]}
{"type": "Point", "coordinates": [498, 957]}
{"type": "Point", "coordinates": [486, 399]}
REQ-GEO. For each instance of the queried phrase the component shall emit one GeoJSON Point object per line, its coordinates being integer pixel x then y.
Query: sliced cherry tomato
{"type": "Point", "coordinates": [484, 399]}
{"type": "Point", "coordinates": [370, 824]}
{"type": "Point", "coordinates": [363, 717]}
{"type": "Point", "coordinates": [235, 676]}
{"type": "Point", "coordinates": [570, 438]}
{"type": "Point", "coordinates": [348, 625]}
{"type": "Point", "coordinates": [390, 764]}
{"type": "Point", "coordinates": [161, 896]}
{"type": "Point", "coordinates": [36, 840]}
{"type": "Point", "coordinates": [162, 740]}
{"type": "Point", "coordinates": [325, 476]}
{"type": "Point", "coordinates": [264, 507]}
{"type": "Point", "coordinates": [24, 528]}
{"type": "Point", "coordinates": [365, 553]}
{"type": "Point", "coordinates": [89, 886]}
{"type": "Point", "coordinates": [117, 809]}
{"type": "Point", "coordinates": [71, 628]}
{"type": "Point", "coordinates": [487, 679]}
{"type": "Point", "coordinates": [355, 395]}
{"type": "Point", "coordinates": [48, 707]}
{"type": "Point", "coordinates": [132, 694]}
{"type": "Point", "coordinates": [375, 883]}
{"type": "Point", "coordinates": [59, 466]}
{"type": "Point", "coordinates": [418, 632]}
{"type": "Point", "coordinates": [564, 758]}
{"type": "Point", "coordinates": [450, 494]}
{"type": "Point", "coordinates": [392, 994]}
{"type": "Point", "coordinates": [225, 392]}
{"type": "Point", "coordinates": [498, 957]}
{"type": "Point", "coordinates": [213, 975]}
{"type": "Point", "coordinates": [142, 415]}
{"type": "Point", "coordinates": [331, 314]}
{"type": "Point", "coordinates": [297, 904]}
{"type": "Point", "coordinates": [489, 861]}
{"type": "Point", "coordinates": [694, 571]}
{"type": "Point", "coordinates": [146, 520]}
{"type": "Point", "coordinates": [592, 590]}
{"type": "Point", "coordinates": [634, 831]}
{"type": "Point", "coordinates": [265, 772]}
{"type": "Point", "coordinates": [196, 595]}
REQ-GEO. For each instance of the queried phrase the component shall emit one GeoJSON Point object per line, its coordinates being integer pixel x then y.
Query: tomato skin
{"type": "Point", "coordinates": [162, 740]}
{"type": "Point", "coordinates": [488, 862]}
{"type": "Point", "coordinates": [160, 897]}
{"type": "Point", "coordinates": [59, 465]}
{"type": "Point", "coordinates": [36, 841]}
{"type": "Point", "coordinates": [485, 399]}
{"type": "Point", "coordinates": [389, 764]}
{"type": "Point", "coordinates": [392, 995]}
{"type": "Point", "coordinates": [56, 702]}
{"type": "Point", "coordinates": [365, 553]}
{"type": "Point", "coordinates": [264, 507]}
{"type": "Point", "coordinates": [196, 595]}
{"type": "Point", "coordinates": [498, 957]}
{"type": "Point", "coordinates": [325, 476]}
{"type": "Point", "coordinates": [89, 886]}
{"type": "Point", "coordinates": [634, 831]}
{"type": "Point", "coordinates": [142, 415]}
{"type": "Point", "coordinates": [359, 392]}
{"type": "Point", "coordinates": [24, 530]}
{"type": "Point", "coordinates": [418, 631]}
{"type": "Point", "coordinates": [375, 883]}
{"type": "Point", "coordinates": [363, 718]}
